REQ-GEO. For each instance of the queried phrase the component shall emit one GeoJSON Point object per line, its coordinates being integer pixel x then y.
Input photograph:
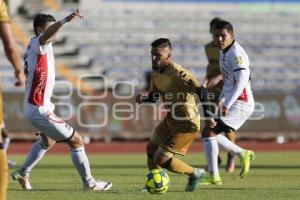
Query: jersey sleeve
{"type": "Point", "coordinates": [241, 73]}
{"type": "Point", "coordinates": [37, 47]}
{"type": "Point", "coordinates": [4, 17]}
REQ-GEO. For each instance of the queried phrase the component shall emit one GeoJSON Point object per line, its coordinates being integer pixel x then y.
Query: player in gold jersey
{"type": "Point", "coordinates": [176, 87]}
{"type": "Point", "coordinates": [12, 53]}
{"type": "Point", "coordinates": [214, 84]}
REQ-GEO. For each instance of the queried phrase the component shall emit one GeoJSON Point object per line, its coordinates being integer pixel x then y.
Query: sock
{"type": "Point", "coordinates": [6, 142]}
{"type": "Point", "coordinates": [211, 153]}
{"type": "Point", "coordinates": [180, 167]}
{"type": "Point", "coordinates": [36, 153]}
{"type": "Point", "coordinates": [227, 145]}
{"type": "Point", "coordinates": [3, 173]}
{"type": "Point", "coordinates": [209, 166]}
{"type": "Point", "coordinates": [82, 165]}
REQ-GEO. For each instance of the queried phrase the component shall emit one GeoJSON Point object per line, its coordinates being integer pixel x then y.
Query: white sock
{"type": "Point", "coordinates": [227, 145]}
{"type": "Point", "coordinates": [6, 142]}
{"type": "Point", "coordinates": [82, 165]}
{"type": "Point", "coordinates": [36, 153]}
{"type": "Point", "coordinates": [211, 153]}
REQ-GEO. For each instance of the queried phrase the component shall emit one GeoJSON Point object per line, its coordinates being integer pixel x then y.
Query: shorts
{"type": "Point", "coordinates": [238, 113]}
{"type": "Point", "coordinates": [49, 124]}
{"type": "Point", "coordinates": [175, 137]}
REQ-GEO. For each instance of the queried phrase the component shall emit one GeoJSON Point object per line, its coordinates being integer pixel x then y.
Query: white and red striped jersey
{"type": "Point", "coordinates": [40, 74]}
{"type": "Point", "coordinates": [235, 68]}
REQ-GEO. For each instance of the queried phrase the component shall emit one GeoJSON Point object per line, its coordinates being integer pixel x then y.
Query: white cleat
{"type": "Point", "coordinates": [24, 181]}
{"type": "Point", "coordinates": [99, 186]}
{"type": "Point", "coordinates": [11, 163]}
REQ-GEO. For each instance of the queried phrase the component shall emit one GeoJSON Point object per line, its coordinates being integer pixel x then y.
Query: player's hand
{"type": "Point", "coordinates": [75, 14]}
{"type": "Point", "coordinates": [140, 98]}
{"type": "Point", "coordinates": [20, 78]}
{"type": "Point", "coordinates": [213, 81]}
{"type": "Point", "coordinates": [211, 123]}
{"type": "Point", "coordinates": [222, 110]}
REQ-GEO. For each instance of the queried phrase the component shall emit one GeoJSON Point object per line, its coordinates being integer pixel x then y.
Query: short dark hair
{"type": "Point", "coordinates": [224, 25]}
{"type": "Point", "coordinates": [40, 21]}
{"type": "Point", "coordinates": [161, 42]}
{"type": "Point", "coordinates": [213, 22]}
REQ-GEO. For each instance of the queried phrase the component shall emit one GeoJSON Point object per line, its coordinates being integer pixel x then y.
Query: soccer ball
{"type": "Point", "coordinates": [157, 181]}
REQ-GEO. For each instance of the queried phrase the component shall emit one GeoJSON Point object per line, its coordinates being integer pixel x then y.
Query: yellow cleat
{"type": "Point", "coordinates": [211, 180]}
{"type": "Point", "coordinates": [246, 157]}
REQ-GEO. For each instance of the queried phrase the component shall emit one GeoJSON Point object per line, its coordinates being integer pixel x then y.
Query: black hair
{"type": "Point", "coordinates": [224, 25]}
{"type": "Point", "coordinates": [161, 42]}
{"type": "Point", "coordinates": [41, 20]}
{"type": "Point", "coordinates": [213, 22]}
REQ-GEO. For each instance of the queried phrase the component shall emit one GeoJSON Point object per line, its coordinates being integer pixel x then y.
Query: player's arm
{"type": "Point", "coordinates": [192, 85]}
{"type": "Point", "coordinates": [207, 106]}
{"type": "Point", "coordinates": [52, 30]}
{"type": "Point", "coordinates": [241, 72]}
{"type": "Point", "coordinates": [12, 51]}
{"type": "Point", "coordinates": [152, 97]}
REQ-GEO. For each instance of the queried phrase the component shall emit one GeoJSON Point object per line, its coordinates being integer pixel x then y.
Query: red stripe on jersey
{"type": "Point", "coordinates": [39, 81]}
{"type": "Point", "coordinates": [243, 96]}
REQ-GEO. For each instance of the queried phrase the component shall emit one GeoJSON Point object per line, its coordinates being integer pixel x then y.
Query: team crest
{"type": "Point", "coordinates": [238, 60]}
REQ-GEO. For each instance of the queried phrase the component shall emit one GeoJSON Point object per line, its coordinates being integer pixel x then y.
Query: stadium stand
{"type": "Point", "coordinates": [114, 38]}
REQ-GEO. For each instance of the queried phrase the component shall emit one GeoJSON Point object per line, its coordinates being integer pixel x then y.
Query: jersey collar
{"type": "Point", "coordinates": [227, 48]}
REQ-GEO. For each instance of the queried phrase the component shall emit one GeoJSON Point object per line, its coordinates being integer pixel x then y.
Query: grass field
{"type": "Point", "coordinates": [273, 176]}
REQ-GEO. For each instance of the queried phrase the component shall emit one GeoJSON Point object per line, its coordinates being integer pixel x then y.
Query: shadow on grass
{"type": "Point", "coordinates": [137, 166]}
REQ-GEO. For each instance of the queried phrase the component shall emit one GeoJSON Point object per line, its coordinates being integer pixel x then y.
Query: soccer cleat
{"type": "Point", "coordinates": [246, 157]}
{"type": "Point", "coordinates": [194, 180]}
{"type": "Point", "coordinates": [11, 163]}
{"type": "Point", "coordinates": [230, 166]}
{"type": "Point", "coordinates": [144, 189]}
{"type": "Point", "coordinates": [99, 186]}
{"type": "Point", "coordinates": [211, 180]}
{"type": "Point", "coordinates": [24, 181]}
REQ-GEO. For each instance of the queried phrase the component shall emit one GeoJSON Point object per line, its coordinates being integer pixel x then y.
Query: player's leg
{"type": "Point", "coordinates": [81, 162]}
{"type": "Point", "coordinates": [37, 152]}
{"type": "Point", "coordinates": [151, 149]}
{"type": "Point", "coordinates": [3, 159]}
{"type": "Point", "coordinates": [6, 143]}
{"type": "Point", "coordinates": [237, 115]}
{"type": "Point", "coordinates": [3, 171]}
{"type": "Point", "coordinates": [211, 150]}
{"type": "Point", "coordinates": [230, 165]}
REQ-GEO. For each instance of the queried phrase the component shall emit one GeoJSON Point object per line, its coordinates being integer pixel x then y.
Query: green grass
{"type": "Point", "coordinates": [273, 176]}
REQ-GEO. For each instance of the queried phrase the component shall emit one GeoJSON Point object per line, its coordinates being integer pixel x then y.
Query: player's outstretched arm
{"type": "Point", "coordinates": [207, 106]}
{"type": "Point", "coordinates": [151, 97]}
{"type": "Point", "coordinates": [45, 38]}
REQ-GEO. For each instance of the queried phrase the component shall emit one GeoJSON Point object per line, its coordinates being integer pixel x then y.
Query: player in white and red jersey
{"type": "Point", "coordinates": [40, 73]}
{"type": "Point", "coordinates": [235, 106]}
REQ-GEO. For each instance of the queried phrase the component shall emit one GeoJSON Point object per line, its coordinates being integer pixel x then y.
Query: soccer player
{"type": "Point", "coordinates": [13, 55]}
{"type": "Point", "coordinates": [236, 103]}
{"type": "Point", "coordinates": [214, 84]}
{"type": "Point", "coordinates": [177, 87]}
{"type": "Point", "coordinates": [38, 109]}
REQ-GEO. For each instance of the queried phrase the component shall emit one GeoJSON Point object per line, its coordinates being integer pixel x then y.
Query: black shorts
{"type": "Point", "coordinates": [222, 127]}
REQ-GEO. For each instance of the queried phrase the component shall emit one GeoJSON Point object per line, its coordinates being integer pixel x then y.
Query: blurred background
{"type": "Point", "coordinates": [107, 54]}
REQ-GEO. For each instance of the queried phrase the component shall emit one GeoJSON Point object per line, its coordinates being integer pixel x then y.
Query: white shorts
{"type": "Point", "coordinates": [238, 113]}
{"type": "Point", "coordinates": [48, 123]}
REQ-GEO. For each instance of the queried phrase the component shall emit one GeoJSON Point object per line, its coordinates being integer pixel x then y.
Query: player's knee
{"type": "Point", "coordinates": [75, 141]}
{"type": "Point", "coordinates": [47, 142]}
{"type": "Point", "coordinates": [207, 132]}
